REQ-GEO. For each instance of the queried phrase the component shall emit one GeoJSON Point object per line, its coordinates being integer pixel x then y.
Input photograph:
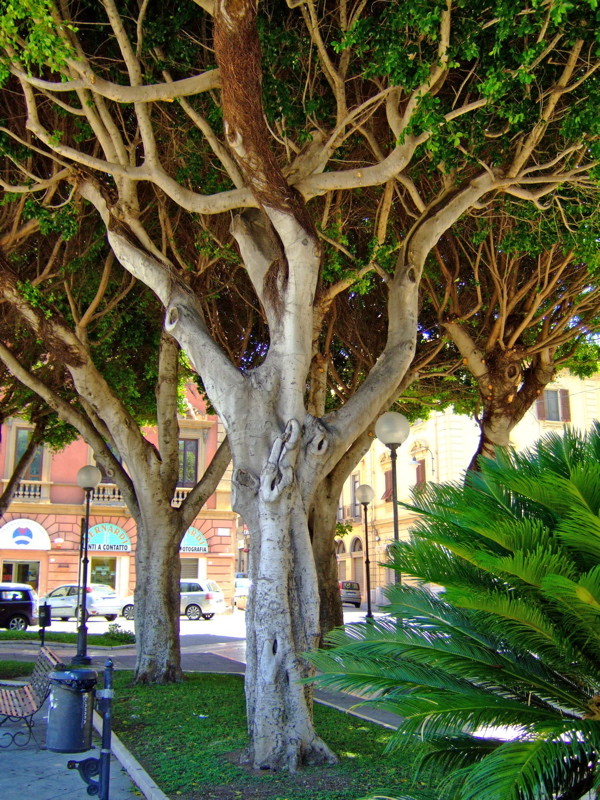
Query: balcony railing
{"type": "Point", "coordinates": [28, 492]}
{"type": "Point", "coordinates": [107, 494]}
{"type": "Point", "coordinates": [181, 492]}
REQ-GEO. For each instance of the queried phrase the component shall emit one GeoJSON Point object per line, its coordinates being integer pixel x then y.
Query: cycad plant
{"type": "Point", "coordinates": [498, 675]}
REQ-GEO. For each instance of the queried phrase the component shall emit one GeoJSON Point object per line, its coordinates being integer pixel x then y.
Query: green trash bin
{"type": "Point", "coordinates": [71, 709]}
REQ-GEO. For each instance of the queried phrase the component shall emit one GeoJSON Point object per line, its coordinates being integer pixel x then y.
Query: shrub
{"type": "Point", "coordinates": [498, 674]}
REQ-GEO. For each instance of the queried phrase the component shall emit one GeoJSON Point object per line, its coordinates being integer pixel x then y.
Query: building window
{"type": "Point", "coordinates": [34, 470]}
{"type": "Point", "coordinates": [340, 547]}
{"type": "Point", "coordinates": [355, 505]}
{"type": "Point", "coordinates": [389, 487]}
{"type": "Point", "coordinates": [188, 462]}
{"type": "Point", "coordinates": [553, 406]}
{"type": "Point", "coordinates": [357, 546]}
{"type": "Point", "coordinates": [421, 473]}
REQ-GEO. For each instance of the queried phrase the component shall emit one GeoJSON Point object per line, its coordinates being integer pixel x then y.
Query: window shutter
{"type": "Point", "coordinates": [565, 405]}
{"type": "Point", "coordinates": [387, 495]}
{"type": "Point", "coordinates": [421, 472]}
{"type": "Point", "coordinates": [189, 569]}
{"type": "Point", "coordinates": [540, 406]}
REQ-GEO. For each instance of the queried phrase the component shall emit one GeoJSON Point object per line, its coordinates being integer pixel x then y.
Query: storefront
{"type": "Point", "coordinates": [109, 550]}
{"type": "Point", "coordinates": [24, 545]}
{"type": "Point", "coordinates": [193, 554]}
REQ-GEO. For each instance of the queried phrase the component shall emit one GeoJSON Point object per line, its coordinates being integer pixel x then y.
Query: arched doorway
{"type": "Point", "coordinates": [357, 561]}
{"type": "Point", "coordinates": [341, 558]}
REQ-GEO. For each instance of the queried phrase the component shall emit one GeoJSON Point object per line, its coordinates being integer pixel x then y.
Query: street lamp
{"type": "Point", "coordinates": [392, 430]}
{"type": "Point", "coordinates": [88, 478]}
{"type": "Point", "coordinates": [364, 494]}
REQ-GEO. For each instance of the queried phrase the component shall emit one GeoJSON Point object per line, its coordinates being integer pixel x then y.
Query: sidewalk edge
{"type": "Point", "coordinates": [131, 765]}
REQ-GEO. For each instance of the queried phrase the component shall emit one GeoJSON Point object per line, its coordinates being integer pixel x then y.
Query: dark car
{"type": "Point", "coordinates": [18, 606]}
{"type": "Point", "coordinates": [350, 593]}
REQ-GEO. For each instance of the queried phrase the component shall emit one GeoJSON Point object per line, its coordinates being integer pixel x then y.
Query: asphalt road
{"type": "Point", "coordinates": [221, 628]}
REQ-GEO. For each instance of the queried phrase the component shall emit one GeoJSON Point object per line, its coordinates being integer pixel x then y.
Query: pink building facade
{"type": "Point", "coordinates": [40, 533]}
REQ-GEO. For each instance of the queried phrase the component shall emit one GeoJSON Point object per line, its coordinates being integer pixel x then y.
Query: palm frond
{"type": "Point", "coordinates": [511, 642]}
{"type": "Point", "coordinates": [530, 770]}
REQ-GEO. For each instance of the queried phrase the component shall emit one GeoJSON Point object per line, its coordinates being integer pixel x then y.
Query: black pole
{"type": "Point", "coordinates": [367, 564]}
{"type": "Point", "coordinates": [96, 771]}
{"type": "Point", "coordinates": [106, 696]}
{"type": "Point", "coordinates": [81, 657]}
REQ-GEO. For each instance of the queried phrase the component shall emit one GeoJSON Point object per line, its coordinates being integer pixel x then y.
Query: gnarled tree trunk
{"type": "Point", "coordinates": [157, 568]}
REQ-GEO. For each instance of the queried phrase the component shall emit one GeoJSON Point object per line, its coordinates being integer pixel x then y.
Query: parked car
{"type": "Point", "coordinates": [198, 599]}
{"type": "Point", "coordinates": [18, 606]}
{"type": "Point", "coordinates": [241, 591]}
{"type": "Point", "coordinates": [350, 593]}
{"type": "Point", "coordinates": [100, 601]}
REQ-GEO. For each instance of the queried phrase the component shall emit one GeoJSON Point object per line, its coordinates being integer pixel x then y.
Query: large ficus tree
{"type": "Point", "coordinates": [370, 129]}
{"type": "Point", "coordinates": [515, 289]}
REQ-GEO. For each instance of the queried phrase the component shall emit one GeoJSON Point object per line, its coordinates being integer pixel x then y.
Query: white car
{"type": "Point", "coordinates": [198, 599]}
{"type": "Point", "coordinates": [100, 601]}
{"type": "Point", "coordinates": [241, 592]}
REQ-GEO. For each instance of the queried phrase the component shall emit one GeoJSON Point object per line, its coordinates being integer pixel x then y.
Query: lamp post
{"type": "Point", "coordinates": [364, 495]}
{"type": "Point", "coordinates": [88, 478]}
{"type": "Point", "coordinates": [392, 430]}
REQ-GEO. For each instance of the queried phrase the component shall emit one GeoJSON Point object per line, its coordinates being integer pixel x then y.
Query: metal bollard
{"type": "Point", "coordinates": [90, 767]}
{"type": "Point", "coordinates": [44, 620]}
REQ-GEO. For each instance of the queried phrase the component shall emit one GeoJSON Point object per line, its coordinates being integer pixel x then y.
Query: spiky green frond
{"type": "Point", "coordinates": [512, 771]}
{"type": "Point", "coordinates": [512, 642]}
{"type": "Point", "coordinates": [580, 601]}
{"type": "Point", "coordinates": [529, 566]}
{"type": "Point", "coordinates": [580, 536]}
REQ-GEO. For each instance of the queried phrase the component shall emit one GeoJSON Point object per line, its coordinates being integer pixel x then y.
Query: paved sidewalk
{"type": "Point", "coordinates": [34, 773]}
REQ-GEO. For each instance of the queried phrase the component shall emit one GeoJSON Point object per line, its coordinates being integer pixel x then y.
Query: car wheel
{"type": "Point", "coordinates": [64, 619]}
{"type": "Point", "coordinates": [207, 616]}
{"type": "Point", "coordinates": [193, 612]}
{"type": "Point", "coordinates": [110, 617]}
{"type": "Point", "coordinates": [129, 611]}
{"type": "Point", "coordinates": [357, 605]}
{"type": "Point", "coordinates": [17, 623]}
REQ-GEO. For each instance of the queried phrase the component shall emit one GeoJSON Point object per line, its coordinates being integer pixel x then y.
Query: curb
{"type": "Point", "coordinates": [60, 645]}
{"type": "Point", "coordinates": [132, 766]}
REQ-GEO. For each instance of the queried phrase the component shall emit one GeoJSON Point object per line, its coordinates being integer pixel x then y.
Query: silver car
{"type": "Point", "coordinates": [100, 601]}
{"type": "Point", "coordinates": [350, 593]}
{"type": "Point", "coordinates": [198, 599]}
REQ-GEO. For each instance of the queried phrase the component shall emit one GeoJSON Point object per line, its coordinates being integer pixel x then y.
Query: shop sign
{"type": "Point", "coordinates": [24, 534]}
{"type": "Point", "coordinates": [193, 542]}
{"type": "Point", "coordinates": [108, 538]}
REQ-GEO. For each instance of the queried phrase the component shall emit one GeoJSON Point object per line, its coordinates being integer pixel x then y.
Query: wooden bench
{"type": "Point", "coordinates": [20, 702]}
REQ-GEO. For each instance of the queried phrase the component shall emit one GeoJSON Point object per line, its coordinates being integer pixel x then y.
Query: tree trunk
{"type": "Point", "coordinates": [158, 655]}
{"type": "Point", "coordinates": [282, 618]}
{"type": "Point", "coordinates": [495, 430]}
{"type": "Point", "coordinates": [323, 520]}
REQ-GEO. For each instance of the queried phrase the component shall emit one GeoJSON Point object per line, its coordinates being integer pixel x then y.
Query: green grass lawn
{"type": "Point", "coordinates": [103, 639]}
{"type": "Point", "coordinates": [9, 670]}
{"type": "Point", "coordinates": [190, 737]}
